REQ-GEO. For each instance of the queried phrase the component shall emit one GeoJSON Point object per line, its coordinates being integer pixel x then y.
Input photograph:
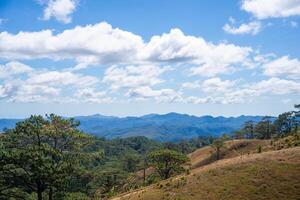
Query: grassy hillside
{"type": "Point", "coordinates": [232, 148]}
{"type": "Point", "coordinates": [241, 174]}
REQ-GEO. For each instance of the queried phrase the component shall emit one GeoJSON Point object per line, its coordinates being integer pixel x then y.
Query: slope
{"type": "Point", "coordinates": [267, 175]}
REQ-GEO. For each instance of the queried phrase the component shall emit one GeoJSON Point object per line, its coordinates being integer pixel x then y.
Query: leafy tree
{"type": "Point", "coordinates": [217, 145]}
{"type": "Point", "coordinates": [167, 162]}
{"type": "Point", "coordinates": [265, 128]}
{"type": "Point", "coordinates": [284, 123]}
{"type": "Point", "coordinates": [239, 134]}
{"type": "Point", "coordinates": [131, 162]}
{"type": "Point", "coordinates": [248, 129]}
{"type": "Point", "coordinates": [39, 155]}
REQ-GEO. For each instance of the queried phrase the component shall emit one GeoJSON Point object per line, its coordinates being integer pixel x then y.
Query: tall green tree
{"type": "Point", "coordinates": [248, 129]}
{"type": "Point", "coordinates": [167, 162]}
{"type": "Point", "coordinates": [40, 154]}
{"type": "Point", "coordinates": [284, 123]}
{"type": "Point", "coordinates": [265, 128]}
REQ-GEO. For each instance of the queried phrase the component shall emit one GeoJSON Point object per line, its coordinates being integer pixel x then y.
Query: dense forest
{"type": "Point", "coordinates": [50, 158]}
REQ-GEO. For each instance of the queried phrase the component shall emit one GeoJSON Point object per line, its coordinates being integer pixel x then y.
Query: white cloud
{"type": "Point", "coordinates": [60, 10]}
{"type": "Point", "coordinates": [212, 85]}
{"type": "Point", "coordinates": [217, 85]}
{"type": "Point", "coordinates": [102, 44]}
{"type": "Point", "coordinates": [283, 66]}
{"type": "Point", "coordinates": [263, 9]}
{"type": "Point", "coordinates": [39, 85]}
{"type": "Point", "coordinates": [277, 86]}
{"type": "Point", "coordinates": [249, 28]}
{"type": "Point", "coordinates": [98, 43]}
{"type": "Point", "coordinates": [161, 95]}
{"type": "Point", "coordinates": [32, 93]}
{"type": "Point", "coordinates": [90, 95]}
{"type": "Point", "coordinates": [133, 76]}
{"type": "Point", "coordinates": [61, 78]}
{"type": "Point", "coordinates": [209, 58]}
{"type": "Point", "coordinates": [233, 93]}
{"type": "Point", "coordinates": [13, 68]}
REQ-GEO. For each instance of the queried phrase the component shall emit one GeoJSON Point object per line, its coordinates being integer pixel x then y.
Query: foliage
{"type": "Point", "coordinates": [167, 162]}
{"type": "Point", "coordinates": [217, 145]}
{"type": "Point", "coordinates": [285, 124]}
{"type": "Point", "coordinates": [40, 155]}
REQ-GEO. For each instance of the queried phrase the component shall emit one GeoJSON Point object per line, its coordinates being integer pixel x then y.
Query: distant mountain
{"type": "Point", "coordinates": [167, 127]}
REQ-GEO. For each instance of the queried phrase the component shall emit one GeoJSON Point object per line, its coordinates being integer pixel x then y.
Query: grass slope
{"type": "Point", "coordinates": [267, 175]}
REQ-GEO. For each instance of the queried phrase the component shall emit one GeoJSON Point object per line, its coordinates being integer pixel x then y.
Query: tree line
{"type": "Point", "coordinates": [50, 158]}
{"type": "Point", "coordinates": [270, 127]}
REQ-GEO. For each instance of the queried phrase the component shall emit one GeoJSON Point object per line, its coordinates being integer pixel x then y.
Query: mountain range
{"type": "Point", "coordinates": [166, 127]}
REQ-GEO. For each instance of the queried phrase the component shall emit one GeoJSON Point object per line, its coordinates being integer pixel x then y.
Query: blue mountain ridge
{"type": "Point", "coordinates": [165, 127]}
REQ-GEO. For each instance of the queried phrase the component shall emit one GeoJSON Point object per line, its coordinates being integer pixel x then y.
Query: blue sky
{"type": "Point", "coordinates": [133, 57]}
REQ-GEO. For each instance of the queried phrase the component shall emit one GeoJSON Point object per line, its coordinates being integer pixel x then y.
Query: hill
{"type": "Point", "coordinates": [241, 174]}
{"type": "Point", "coordinates": [167, 127]}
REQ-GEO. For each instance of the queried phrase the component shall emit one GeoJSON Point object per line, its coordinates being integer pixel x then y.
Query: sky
{"type": "Point", "coordinates": [135, 57]}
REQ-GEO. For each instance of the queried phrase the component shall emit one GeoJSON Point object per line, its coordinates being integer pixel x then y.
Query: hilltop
{"type": "Point", "coordinates": [242, 173]}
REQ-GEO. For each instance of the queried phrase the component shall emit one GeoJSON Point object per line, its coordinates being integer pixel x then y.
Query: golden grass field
{"type": "Point", "coordinates": [242, 173]}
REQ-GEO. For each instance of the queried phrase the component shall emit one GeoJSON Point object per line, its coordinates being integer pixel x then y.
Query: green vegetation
{"type": "Point", "coordinates": [285, 124]}
{"type": "Point", "coordinates": [168, 162]}
{"type": "Point", "coordinates": [49, 158]}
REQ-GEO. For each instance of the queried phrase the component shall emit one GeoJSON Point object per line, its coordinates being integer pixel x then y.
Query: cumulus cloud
{"type": "Point", "coordinates": [39, 85]}
{"type": "Point", "coordinates": [263, 9]}
{"type": "Point", "coordinates": [211, 85]}
{"type": "Point", "coordinates": [60, 10]}
{"type": "Point", "coordinates": [90, 95]}
{"type": "Point", "coordinates": [228, 92]}
{"type": "Point", "coordinates": [217, 85]}
{"type": "Point", "coordinates": [248, 28]}
{"type": "Point", "coordinates": [209, 59]}
{"type": "Point", "coordinates": [103, 44]}
{"type": "Point", "coordinates": [133, 76]}
{"type": "Point", "coordinates": [160, 95]}
{"type": "Point", "coordinates": [99, 43]}
{"type": "Point", "coordinates": [61, 78]}
{"type": "Point", "coordinates": [283, 66]}
{"type": "Point", "coordinates": [277, 86]}
{"type": "Point", "coordinates": [13, 68]}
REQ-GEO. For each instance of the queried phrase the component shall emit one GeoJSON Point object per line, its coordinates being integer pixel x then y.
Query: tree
{"type": "Point", "coordinates": [296, 117]}
{"type": "Point", "coordinates": [40, 154]}
{"type": "Point", "coordinates": [167, 162]}
{"type": "Point", "coordinates": [265, 128]}
{"type": "Point", "coordinates": [217, 145]}
{"type": "Point", "coordinates": [239, 134]}
{"type": "Point", "coordinates": [248, 129]}
{"type": "Point", "coordinates": [131, 162]}
{"type": "Point", "coordinates": [284, 123]}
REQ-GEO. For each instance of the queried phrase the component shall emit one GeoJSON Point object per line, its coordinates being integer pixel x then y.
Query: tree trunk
{"type": "Point", "coordinates": [218, 153]}
{"type": "Point", "coordinates": [50, 193]}
{"type": "Point", "coordinates": [145, 164]}
{"type": "Point", "coordinates": [39, 193]}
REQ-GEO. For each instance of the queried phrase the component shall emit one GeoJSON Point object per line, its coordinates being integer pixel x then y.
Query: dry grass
{"type": "Point", "coordinates": [268, 175]}
{"type": "Point", "coordinates": [231, 149]}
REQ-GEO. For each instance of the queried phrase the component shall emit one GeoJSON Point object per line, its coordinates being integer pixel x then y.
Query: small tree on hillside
{"type": "Point", "coordinates": [167, 162]}
{"type": "Point", "coordinates": [217, 145]}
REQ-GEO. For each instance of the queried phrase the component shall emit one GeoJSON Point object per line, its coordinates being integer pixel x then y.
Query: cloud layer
{"type": "Point", "coordinates": [137, 70]}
